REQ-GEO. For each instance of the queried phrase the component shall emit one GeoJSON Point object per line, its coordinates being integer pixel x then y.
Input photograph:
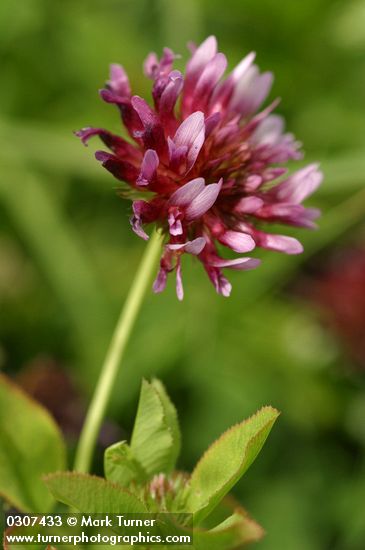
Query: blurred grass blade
{"type": "Point", "coordinates": [61, 257]}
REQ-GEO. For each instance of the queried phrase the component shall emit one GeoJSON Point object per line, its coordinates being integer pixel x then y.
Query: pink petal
{"type": "Point", "coordinates": [224, 287]}
{"type": "Point", "coordinates": [273, 173]}
{"type": "Point", "coordinates": [122, 170]}
{"type": "Point", "coordinates": [279, 243]}
{"type": "Point", "coordinates": [117, 144]}
{"type": "Point", "coordinates": [294, 214]}
{"type": "Point", "coordinates": [208, 79]}
{"type": "Point", "coordinates": [179, 285]}
{"type": "Point", "coordinates": [250, 91]}
{"type": "Point", "coordinates": [202, 55]}
{"type": "Point", "coordinates": [248, 205]}
{"type": "Point", "coordinates": [188, 192]}
{"type": "Point", "coordinates": [299, 185]}
{"type": "Point", "coordinates": [136, 221]}
{"type": "Point", "coordinates": [149, 166]}
{"type": "Point", "coordinates": [150, 65]}
{"type": "Point", "coordinates": [237, 241]}
{"type": "Point", "coordinates": [236, 263]}
{"type": "Point", "coordinates": [176, 154]}
{"type": "Point", "coordinates": [160, 281]}
{"type": "Point", "coordinates": [269, 131]}
{"type": "Point", "coordinates": [203, 202]}
{"type": "Point", "coordinates": [211, 122]}
{"type": "Point", "coordinates": [153, 67]}
{"type": "Point", "coordinates": [191, 247]}
{"type": "Point", "coordinates": [143, 212]}
{"type": "Point", "coordinates": [118, 82]}
{"type": "Point", "coordinates": [145, 112]}
{"type": "Point", "coordinates": [195, 246]}
{"type": "Point", "coordinates": [223, 91]}
{"type": "Point", "coordinates": [243, 66]}
{"type": "Point", "coordinates": [253, 182]}
{"type": "Point", "coordinates": [221, 284]}
{"type": "Point", "coordinates": [86, 133]}
{"type": "Point", "coordinates": [171, 92]}
{"type": "Point", "coordinates": [175, 225]}
{"type": "Point", "coordinates": [153, 134]}
{"type": "Point", "coordinates": [191, 133]}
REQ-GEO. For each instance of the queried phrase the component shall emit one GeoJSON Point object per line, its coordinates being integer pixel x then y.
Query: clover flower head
{"type": "Point", "coordinates": [212, 164]}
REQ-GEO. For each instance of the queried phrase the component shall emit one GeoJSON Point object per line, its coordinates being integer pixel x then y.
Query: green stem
{"type": "Point", "coordinates": [115, 354]}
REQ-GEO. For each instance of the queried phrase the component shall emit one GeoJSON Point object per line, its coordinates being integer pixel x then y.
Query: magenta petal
{"type": "Point", "coordinates": [86, 133]}
{"type": "Point", "coordinates": [175, 225]}
{"type": "Point", "coordinates": [188, 192]}
{"type": "Point", "coordinates": [299, 185]}
{"type": "Point", "coordinates": [273, 173]}
{"type": "Point", "coordinates": [293, 214]}
{"type": "Point", "coordinates": [139, 208]}
{"type": "Point", "coordinates": [236, 263]}
{"type": "Point", "coordinates": [201, 56]}
{"type": "Point", "coordinates": [269, 130]}
{"type": "Point", "coordinates": [250, 91]}
{"type": "Point", "coordinates": [189, 129]}
{"type": "Point", "coordinates": [122, 170]}
{"type": "Point", "coordinates": [223, 91]}
{"type": "Point", "coordinates": [191, 247]}
{"type": "Point", "coordinates": [117, 144]}
{"type": "Point", "coordinates": [179, 285]}
{"type": "Point", "coordinates": [118, 82]}
{"type": "Point", "coordinates": [243, 66]}
{"type": "Point", "coordinates": [149, 166]}
{"type": "Point", "coordinates": [224, 287]}
{"type": "Point", "coordinates": [280, 243]}
{"type": "Point", "coordinates": [248, 205]}
{"type": "Point", "coordinates": [221, 284]}
{"type": "Point", "coordinates": [150, 65]}
{"type": "Point", "coordinates": [176, 154]}
{"type": "Point", "coordinates": [153, 67]}
{"type": "Point", "coordinates": [146, 114]}
{"type": "Point", "coordinates": [195, 246]}
{"type": "Point", "coordinates": [138, 229]}
{"type": "Point", "coordinates": [160, 281]}
{"type": "Point", "coordinates": [144, 212]}
{"type": "Point", "coordinates": [204, 201]}
{"type": "Point", "coordinates": [211, 122]}
{"type": "Point", "coordinates": [171, 92]}
{"type": "Point", "coordinates": [253, 182]}
{"type": "Point", "coordinates": [191, 133]}
{"type": "Point", "coordinates": [237, 241]}
{"type": "Point", "coordinates": [208, 79]}
{"type": "Point", "coordinates": [153, 134]}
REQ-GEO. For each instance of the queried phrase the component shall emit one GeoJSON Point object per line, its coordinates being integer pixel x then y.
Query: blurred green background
{"type": "Point", "coordinates": [292, 334]}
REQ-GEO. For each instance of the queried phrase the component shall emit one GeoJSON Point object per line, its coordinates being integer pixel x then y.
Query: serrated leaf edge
{"type": "Point", "coordinates": [260, 532]}
{"type": "Point", "coordinates": [76, 475]}
{"type": "Point", "coordinates": [223, 435]}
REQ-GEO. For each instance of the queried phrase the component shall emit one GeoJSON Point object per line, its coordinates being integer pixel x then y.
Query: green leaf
{"type": "Point", "coordinates": [171, 418]}
{"type": "Point", "coordinates": [30, 446]}
{"type": "Point", "coordinates": [120, 466]}
{"type": "Point", "coordinates": [234, 532]}
{"type": "Point", "coordinates": [156, 438]}
{"type": "Point", "coordinates": [92, 495]}
{"type": "Point", "coordinates": [226, 460]}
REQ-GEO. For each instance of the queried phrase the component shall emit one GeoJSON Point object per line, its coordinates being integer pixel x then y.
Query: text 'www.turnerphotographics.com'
{"type": "Point", "coordinates": [109, 529]}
